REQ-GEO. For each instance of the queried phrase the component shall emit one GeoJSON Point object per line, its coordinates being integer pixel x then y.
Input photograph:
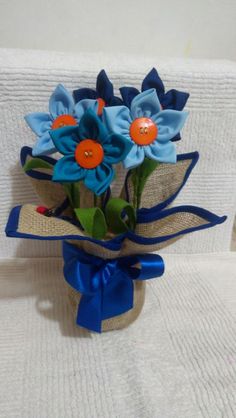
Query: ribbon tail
{"type": "Point", "coordinates": [90, 312]}
{"type": "Point", "coordinates": [117, 296]}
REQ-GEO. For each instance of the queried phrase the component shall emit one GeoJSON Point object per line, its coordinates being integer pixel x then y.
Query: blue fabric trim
{"type": "Point", "coordinates": [210, 217]}
{"type": "Point", "coordinates": [12, 226]}
{"type": "Point", "coordinates": [115, 244]}
{"type": "Point", "coordinates": [27, 151]}
{"type": "Point", "coordinates": [194, 156]}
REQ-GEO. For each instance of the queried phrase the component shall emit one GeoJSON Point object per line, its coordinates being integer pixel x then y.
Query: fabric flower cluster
{"type": "Point", "coordinates": [94, 129]}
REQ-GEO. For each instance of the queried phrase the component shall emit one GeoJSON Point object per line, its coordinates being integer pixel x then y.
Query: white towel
{"type": "Point", "coordinates": [27, 79]}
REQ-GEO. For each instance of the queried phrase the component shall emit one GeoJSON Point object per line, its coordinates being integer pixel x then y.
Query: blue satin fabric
{"type": "Point", "coordinates": [106, 285]}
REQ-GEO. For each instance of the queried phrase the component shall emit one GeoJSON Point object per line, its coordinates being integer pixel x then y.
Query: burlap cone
{"type": "Point", "coordinates": [156, 227]}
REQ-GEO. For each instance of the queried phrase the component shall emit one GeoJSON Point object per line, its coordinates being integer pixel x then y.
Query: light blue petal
{"type": "Point", "coordinates": [117, 119]}
{"type": "Point", "coordinates": [85, 104]}
{"type": "Point", "coordinates": [43, 145]}
{"type": "Point", "coordinates": [145, 104]}
{"type": "Point", "coordinates": [169, 123]}
{"type": "Point", "coordinates": [99, 179]}
{"type": "Point", "coordinates": [61, 102]}
{"type": "Point", "coordinates": [39, 122]}
{"type": "Point", "coordinates": [67, 170]}
{"type": "Point", "coordinates": [116, 148]}
{"type": "Point", "coordinates": [162, 152]}
{"type": "Point", "coordinates": [135, 157]}
{"type": "Point", "coordinates": [65, 139]}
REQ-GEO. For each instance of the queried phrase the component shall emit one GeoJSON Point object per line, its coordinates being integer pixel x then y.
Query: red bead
{"type": "Point", "coordinates": [42, 210]}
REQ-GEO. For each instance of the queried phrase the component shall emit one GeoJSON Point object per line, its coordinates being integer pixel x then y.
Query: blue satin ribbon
{"type": "Point", "coordinates": [106, 285]}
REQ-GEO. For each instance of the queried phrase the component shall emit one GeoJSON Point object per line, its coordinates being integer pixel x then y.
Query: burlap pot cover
{"type": "Point", "coordinates": [158, 224]}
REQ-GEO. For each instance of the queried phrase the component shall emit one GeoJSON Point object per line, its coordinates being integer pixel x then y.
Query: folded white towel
{"type": "Point", "coordinates": [27, 79]}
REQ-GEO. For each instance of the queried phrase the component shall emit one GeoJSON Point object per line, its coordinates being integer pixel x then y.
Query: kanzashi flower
{"type": "Point", "coordinates": [62, 112]}
{"type": "Point", "coordinates": [89, 152]}
{"type": "Point", "coordinates": [147, 127]}
{"type": "Point", "coordinates": [104, 93]}
{"type": "Point", "coordinates": [172, 99]}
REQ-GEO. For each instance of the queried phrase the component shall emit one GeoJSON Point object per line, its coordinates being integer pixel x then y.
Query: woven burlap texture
{"type": "Point", "coordinates": [163, 183]}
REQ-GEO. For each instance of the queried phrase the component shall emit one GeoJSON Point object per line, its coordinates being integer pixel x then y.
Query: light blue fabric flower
{"type": "Point", "coordinates": [61, 103]}
{"type": "Point", "coordinates": [70, 141]}
{"type": "Point", "coordinates": [169, 122]}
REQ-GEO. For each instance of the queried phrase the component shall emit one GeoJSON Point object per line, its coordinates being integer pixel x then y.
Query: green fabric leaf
{"type": "Point", "coordinates": [73, 192]}
{"type": "Point", "coordinates": [139, 178]}
{"type": "Point", "coordinates": [120, 215]}
{"type": "Point", "coordinates": [35, 163]}
{"type": "Point", "coordinates": [93, 221]}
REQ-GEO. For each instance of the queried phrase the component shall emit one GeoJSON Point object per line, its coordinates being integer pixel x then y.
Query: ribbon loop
{"type": "Point", "coordinates": [106, 285]}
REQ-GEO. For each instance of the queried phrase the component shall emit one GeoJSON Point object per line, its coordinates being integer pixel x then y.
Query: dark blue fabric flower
{"type": "Point", "coordinates": [172, 99]}
{"type": "Point", "coordinates": [104, 93]}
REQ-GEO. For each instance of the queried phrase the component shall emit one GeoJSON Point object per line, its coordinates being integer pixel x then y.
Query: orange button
{"type": "Point", "coordinates": [64, 120]}
{"type": "Point", "coordinates": [101, 105]}
{"type": "Point", "coordinates": [89, 153]}
{"type": "Point", "coordinates": [143, 131]}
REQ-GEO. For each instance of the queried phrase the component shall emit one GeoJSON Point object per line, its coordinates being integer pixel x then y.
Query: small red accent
{"type": "Point", "coordinates": [101, 105]}
{"type": "Point", "coordinates": [42, 210]}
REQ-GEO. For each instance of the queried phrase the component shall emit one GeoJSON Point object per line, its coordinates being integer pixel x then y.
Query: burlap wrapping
{"type": "Point", "coordinates": [163, 183]}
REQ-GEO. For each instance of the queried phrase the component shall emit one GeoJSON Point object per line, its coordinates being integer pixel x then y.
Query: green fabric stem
{"type": "Point", "coordinates": [120, 215]}
{"type": "Point", "coordinates": [93, 221]}
{"type": "Point", "coordinates": [73, 193]}
{"type": "Point", "coordinates": [139, 178]}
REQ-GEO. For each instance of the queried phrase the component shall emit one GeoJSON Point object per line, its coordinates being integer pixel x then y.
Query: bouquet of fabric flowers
{"type": "Point", "coordinates": [108, 236]}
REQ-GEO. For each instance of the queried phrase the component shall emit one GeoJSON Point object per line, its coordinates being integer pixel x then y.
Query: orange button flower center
{"type": "Point", "coordinates": [64, 120]}
{"type": "Point", "coordinates": [143, 131]}
{"type": "Point", "coordinates": [101, 105]}
{"type": "Point", "coordinates": [89, 153]}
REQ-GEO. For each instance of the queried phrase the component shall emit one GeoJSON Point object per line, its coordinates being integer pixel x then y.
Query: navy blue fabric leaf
{"type": "Point", "coordinates": [128, 94]}
{"type": "Point", "coordinates": [84, 93]}
{"type": "Point", "coordinates": [174, 99]}
{"type": "Point", "coordinates": [153, 81]}
{"type": "Point", "coordinates": [104, 90]}
{"type": "Point", "coordinates": [104, 87]}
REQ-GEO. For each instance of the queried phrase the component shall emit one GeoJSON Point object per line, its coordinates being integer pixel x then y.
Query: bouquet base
{"type": "Point", "coordinates": [119, 321]}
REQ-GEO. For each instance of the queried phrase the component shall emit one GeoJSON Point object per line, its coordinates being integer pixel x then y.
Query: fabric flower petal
{"type": "Point", "coordinates": [174, 99]}
{"type": "Point", "coordinates": [104, 87]}
{"type": "Point", "coordinates": [115, 101]}
{"type": "Point", "coordinates": [67, 170]}
{"type": "Point", "coordinates": [153, 81]}
{"type": "Point", "coordinates": [169, 123]}
{"type": "Point", "coordinates": [39, 122]}
{"type": "Point", "coordinates": [135, 157]}
{"type": "Point", "coordinates": [99, 179]}
{"type": "Point", "coordinates": [44, 145]}
{"type": "Point", "coordinates": [145, 104]}
{"type": "Point", "coordinates": [84, 93]}
{"type": "Point", "coordinates": [61, 102]}
{"type": "Point", "coordinates": [116, 148]}
{"type": "Point", "coordinates": [128, 94]}
{"type": "Point", "coordinates": [117, 119]}
{"type": "Point", "coordinates": [65, 139]}
{"type": "Point", "coordinates": [84, 105]}
{"type": "Point", "coordinates": [162, 152]}
{"type": "Point", "coordinates": [91, 127]}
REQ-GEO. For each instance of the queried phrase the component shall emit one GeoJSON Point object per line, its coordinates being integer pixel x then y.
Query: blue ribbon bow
{"type": "Point", "coordinates": [106, 285]}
